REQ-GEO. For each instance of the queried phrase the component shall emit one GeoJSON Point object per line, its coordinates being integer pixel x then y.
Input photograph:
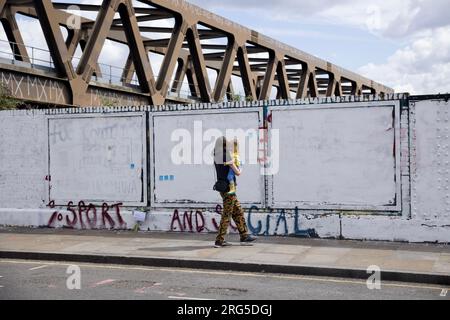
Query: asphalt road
{"type": "Point", "coordinates": [23, 279]}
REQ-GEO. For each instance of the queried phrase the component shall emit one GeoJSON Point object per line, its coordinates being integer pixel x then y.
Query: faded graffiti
{"type": "Point", "coordinates": [101, 97]}
{"type": "Point", "coordinates": [97, 157]}
{"type": "Point", "coordinates": [82, 216]}
{"type": "Point", "coordinates": [34, 88]}
{"type": "Point", "coordinates": [49, 90]}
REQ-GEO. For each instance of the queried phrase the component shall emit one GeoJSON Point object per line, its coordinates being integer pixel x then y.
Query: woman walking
{"type": "Point", "coordinates": [228, 168]}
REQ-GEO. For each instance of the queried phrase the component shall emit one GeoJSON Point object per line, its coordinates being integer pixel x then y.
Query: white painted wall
{"type": "Point", "coordinates": [23, 159]}
{"type": "Point", "coordinates": [431, 160]}
{"type": "Point", "coordinates": [192, 183]}
{"type": "Point", "coordinates": [424, 143]}
{"type": "Point", "coordinates": [97, 158]}
{"type": "Point", "coordinates": [339, 156]}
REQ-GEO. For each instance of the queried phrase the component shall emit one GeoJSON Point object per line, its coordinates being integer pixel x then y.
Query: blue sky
{"type": "Point", "coordinates": [404, 44]}
{"type": "Point", "coordinates": [347, 46]}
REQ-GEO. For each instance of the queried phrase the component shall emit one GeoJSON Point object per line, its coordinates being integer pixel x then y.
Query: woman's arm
{"type": "Point", "coordinates": [236, 170]}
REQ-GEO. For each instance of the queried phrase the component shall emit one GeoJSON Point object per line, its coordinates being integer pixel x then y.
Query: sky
{"type": "Point", "coordinates": [404, 44]}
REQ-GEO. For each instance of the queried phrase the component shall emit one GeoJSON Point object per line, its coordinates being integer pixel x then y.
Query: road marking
{"type": "Point", "coordinates": [102, 283]}
{"type": "Point", "coordinates": [40, 267]}
{"type": "Point", "coordinates": [1, 286]}
{"type": "Point", "coordinates": [187, 298]}
{"type": "Point", "coordinates": [144, 289]}
{"type": "Point", "coordinates": [237, 274]}
{"type": "Point", "coordinates": [444, 292]}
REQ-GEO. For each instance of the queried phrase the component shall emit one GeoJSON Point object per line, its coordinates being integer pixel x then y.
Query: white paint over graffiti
{"type": "Point", "coordinates": [23, 152]}
{"type": "Point", "coordinates": [99, 156]}
{"type": "Point", "coordinates": [193, 183]}
{"type": "Point", "coordinates": [97, 159]}
{"type": "Point", "coordinates": [337, 156]}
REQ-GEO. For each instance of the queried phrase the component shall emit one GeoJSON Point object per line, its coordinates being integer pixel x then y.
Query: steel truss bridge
{"type": "Point", "coordinates": [202, 56]}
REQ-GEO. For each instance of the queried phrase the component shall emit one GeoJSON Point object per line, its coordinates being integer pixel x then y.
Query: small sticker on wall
{"type": "Point", "coordinates": [167, 178]}
{"type": "Point", "coordinates": [132, 166]}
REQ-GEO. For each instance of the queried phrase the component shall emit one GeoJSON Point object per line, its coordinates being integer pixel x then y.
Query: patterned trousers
{"type": "Point", "coordinates": [231, 208]}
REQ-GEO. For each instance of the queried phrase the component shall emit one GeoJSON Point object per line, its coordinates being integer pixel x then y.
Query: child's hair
{"type": "Point", "coordinates": [236, 145]}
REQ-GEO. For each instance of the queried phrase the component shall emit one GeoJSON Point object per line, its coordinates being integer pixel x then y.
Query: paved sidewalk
{"type": "Point", "coordinates": [422, 263]}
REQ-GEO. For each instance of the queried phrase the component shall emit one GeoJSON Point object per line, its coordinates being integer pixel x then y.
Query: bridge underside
{"type": "Point", "coordinates": [203, 57]}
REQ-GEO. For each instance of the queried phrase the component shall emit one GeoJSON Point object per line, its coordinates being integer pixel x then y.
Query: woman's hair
{"type": "Point", "coordinates": [223, 150]}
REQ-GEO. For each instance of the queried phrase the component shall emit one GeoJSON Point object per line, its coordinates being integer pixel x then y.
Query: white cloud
{"type": "Point", "coordinates": [421, 67]}
{"type": "Point", "coordinates": [394, 18]}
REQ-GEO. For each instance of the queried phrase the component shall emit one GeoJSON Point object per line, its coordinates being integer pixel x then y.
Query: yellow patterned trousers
{"type": "Point", "coordinates": [232, 209]}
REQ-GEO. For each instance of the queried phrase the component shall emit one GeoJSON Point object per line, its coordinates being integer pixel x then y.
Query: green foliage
{"type": "Point", "coordinates": [236, 98]}
{"type": "Point", "coordinates": [109, 102]}
{"type": "Point", "coordinates": [240, 97]}
{"type": "Point", "coordinates": [7, 101]}
{"type": "Point", "coordinates": [249, 98]}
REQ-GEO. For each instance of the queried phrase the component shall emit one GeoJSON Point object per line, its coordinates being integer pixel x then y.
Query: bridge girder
{"type": "Point", "coordinates": [197, 42]}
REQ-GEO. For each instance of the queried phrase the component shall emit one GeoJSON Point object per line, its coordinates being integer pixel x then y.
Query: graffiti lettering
{"type": "Point", "coordinates": [186, 225]}
{"type": "Point", "coordinates": [32, 87]}
{"type": "Point", "coordinates": [310, 233]}
{"type": "Point", "coordinates": [101, 97]}
{"type": "Point", "coordinates": [285, 224]}
{"type": "Point", "coordinates": [75, 214]}
{"type": "Point", "coordinates": [281, 219]}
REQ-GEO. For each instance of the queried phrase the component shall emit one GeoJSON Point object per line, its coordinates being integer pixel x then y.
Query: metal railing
{"type": "Point", "coordinates": [36, 56]}
{"type": "Point", "coordinates": [39, 57]}
{"type": "Point", "coordinates": [109, 74]}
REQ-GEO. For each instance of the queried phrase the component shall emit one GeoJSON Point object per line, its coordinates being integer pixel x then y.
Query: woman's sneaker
{"type": "Point", "coordinates": [222, 244]}
{"type": "Point", "coordinates": [248, 240]}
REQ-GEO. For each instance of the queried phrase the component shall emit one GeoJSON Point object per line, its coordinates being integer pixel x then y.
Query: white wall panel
{"type": "Point", "coordinates": [340, 157]}
{"type": "Point", "coordinates": [23, 159]}
{"type": "Point", "coordinates": [98, 158]}
{"type": "Point", "coordinates": [431, 160]}
{"type": "Point", "coordinates": [192, 183]}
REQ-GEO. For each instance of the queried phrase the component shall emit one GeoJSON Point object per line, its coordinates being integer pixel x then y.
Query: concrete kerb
{"type": "Point", "coordinates": [300, 270]}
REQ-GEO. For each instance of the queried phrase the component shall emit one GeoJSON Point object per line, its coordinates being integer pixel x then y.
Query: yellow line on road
{"type": "Point", "coordinates": [188, 298]}
{"type": "Point", "coordinates": [236, 273]}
